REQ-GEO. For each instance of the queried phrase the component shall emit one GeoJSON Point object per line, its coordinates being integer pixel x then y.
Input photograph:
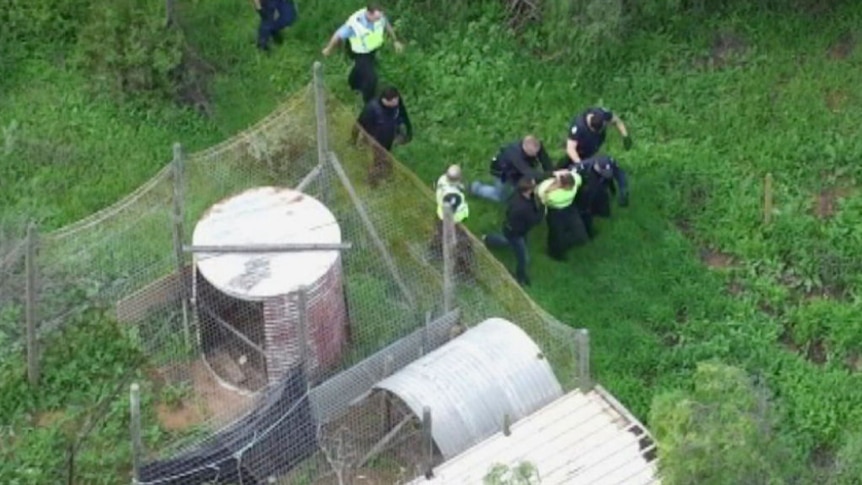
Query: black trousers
{"type": "Point", "coordinates": [275, 15]}
{"type": "Point", "coordinates": [595, 202]}
{"type": "Point", "coordinates": [565, 230]}
{"type": "Point", "coordinates": [363, 76]}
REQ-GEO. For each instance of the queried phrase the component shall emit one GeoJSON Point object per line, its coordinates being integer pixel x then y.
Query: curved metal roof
{"type": "Point", "coordinates": [470, 383]}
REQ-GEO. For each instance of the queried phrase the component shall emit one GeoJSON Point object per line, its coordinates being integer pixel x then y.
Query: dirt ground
{"type": "Point", "coordinates": [208, 402]}
{"type": "Point", "coordinates": [826, 202]}
{"type": "Point", "coordinates": [715, 259]}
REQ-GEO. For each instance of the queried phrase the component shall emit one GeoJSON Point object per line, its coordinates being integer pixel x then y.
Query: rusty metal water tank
{"type": "Point", "coordinates": [248, 303]}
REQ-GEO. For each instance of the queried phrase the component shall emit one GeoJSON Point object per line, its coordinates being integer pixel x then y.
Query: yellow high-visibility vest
{"type": "Point", "coordinates": [460, 212]}
{"type": "Point", "coordinates": [365, 40]}
{"type": "Point", "coordinates": [559, 198]}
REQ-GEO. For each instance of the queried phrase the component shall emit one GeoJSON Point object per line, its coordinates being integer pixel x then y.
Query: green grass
{"type": "Point", "coordinates": [705, 137]}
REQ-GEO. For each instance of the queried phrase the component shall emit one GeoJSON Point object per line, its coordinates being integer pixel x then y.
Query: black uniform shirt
{"type": "Point", "coordinates": [382, 122]}
{"type": "Point", "coordinates": [589, 141]}
{"type": "Point", "coordinates": [512, 163]}
{"type": "Point", "coordinates": [522, 215]}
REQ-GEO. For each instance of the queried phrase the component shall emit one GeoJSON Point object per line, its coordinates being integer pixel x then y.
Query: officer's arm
{"type": "Point", "coordinates": [391, 31]}
{"type": "Point", "coordinates": [620, 126]}
{"type": "Point", "coordinates": [255, 4]}
{"type": "Point", "coordinates": [343, 33]}
{"type": "Point", "coordinates": [572, 150]}
{"type": "Point", "coordinates": [545, 160]}
{"type": "Point", "coordinates": [524, 168]}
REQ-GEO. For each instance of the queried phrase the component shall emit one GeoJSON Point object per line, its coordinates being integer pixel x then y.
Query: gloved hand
{"type": "Point", "coordinates": [624, 198]}
{"type": "Point", "coordinates": [627, 142]}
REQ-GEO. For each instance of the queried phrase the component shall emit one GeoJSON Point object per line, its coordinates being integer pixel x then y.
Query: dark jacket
{"type": "Point", "coordinates": [522, 215]}
{"type": "Point", "coordinates": [512, 163]}
{"type": "Point", "coordinates": [383, 123]}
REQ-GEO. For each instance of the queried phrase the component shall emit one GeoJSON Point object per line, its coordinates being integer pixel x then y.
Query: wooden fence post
{"type": "Point", "coordinates": [582, 339]}
{"type": "Point", "coordinates": [31, 295]}
{"type": "Point", "coordinates": [135, 429]}
{"type": "Point", "coordinates": [427, 443]}
{"type": "Point", "coordinates": [178, 172]}
{"type": "Point", "coordinates": [767, 199]}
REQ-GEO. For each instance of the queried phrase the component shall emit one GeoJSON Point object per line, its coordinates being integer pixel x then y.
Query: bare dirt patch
{"type": "Point", "coordinates": [816, 352]}
{"type": "Point", "coordinates": [836, 100]}
{"type": "Point", "coordinates": [727, 48]}
{"type": "Point", "coordinates": [854, 362]}
{"type": "Point", "coordinates": [48, 418]}
{"type": "Point", "coordinates": [826, 202]}
{"type": "Point", "coordinates": [208, 401]}
{"type": "Point", "coordinates": [843, 47]}
{"type": "Point", "coordinates": [716, 259]}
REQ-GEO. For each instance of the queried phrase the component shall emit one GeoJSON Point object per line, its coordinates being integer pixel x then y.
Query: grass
{"type": "Point", "coordinates": [708, 126]}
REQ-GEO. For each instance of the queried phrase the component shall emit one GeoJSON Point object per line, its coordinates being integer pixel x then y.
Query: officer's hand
{"type": "Point", "coordinates": [624, 199]}
{"type": "Point", "coordinates": [326, 51]}
{"type": "Point", "coordinates": [399, 47]}
{"type": "Point", "coordinates": [627, 142]}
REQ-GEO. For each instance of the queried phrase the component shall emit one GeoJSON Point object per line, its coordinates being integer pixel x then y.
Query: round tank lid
{"type": "Point", "coordinates": [265, 215]}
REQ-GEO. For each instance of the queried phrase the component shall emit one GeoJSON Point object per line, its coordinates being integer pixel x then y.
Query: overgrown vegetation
{"type": "Point", "coordinates": [717, 95]}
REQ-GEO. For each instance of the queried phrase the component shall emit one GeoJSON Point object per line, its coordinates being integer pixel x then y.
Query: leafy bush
{"type": "Point", "coordinates": [129, 51]}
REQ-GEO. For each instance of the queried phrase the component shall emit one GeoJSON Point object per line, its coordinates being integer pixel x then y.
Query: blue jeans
{"type": "Point", "coordinates": [270, 24]}
{"type": "Point", "coordinates": [519, 246]}
{"type": "Point", "coordinates": [499, 191]}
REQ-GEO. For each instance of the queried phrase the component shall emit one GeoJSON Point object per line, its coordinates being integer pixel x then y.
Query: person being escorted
{"type": "Point", "coordinates": [602, 177]}
{"type": "Point", "coordinates": [364, 30]}
{"type": "Point", "coordinates": [523, 158]}
{"type": "Point", "coordinates": [275, 16]}
{"type": "Point", "coordinates": [384, 119]}
{"type": "Point", "coordinates": [523, 214]}
{"type": "Point", "coordinates": [450, 193]}
{"type": "Point", "coordinates": [587, 133]}
{"type": "Point", "coordinates": [565, 228]}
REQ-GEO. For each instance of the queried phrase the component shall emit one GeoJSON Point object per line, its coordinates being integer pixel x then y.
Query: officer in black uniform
{"type": "Point", "coordinates": [523, 214]}
{"type": "Point", "coordinates": [385, 120]}
{"type": "Point", "coordinates": [601, 177]}
{"type": "Point", "coordinates": [587, 134]}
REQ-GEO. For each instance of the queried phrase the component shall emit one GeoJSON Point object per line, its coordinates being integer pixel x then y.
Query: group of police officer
{"type": "Point", "coordinates": [568, 196]}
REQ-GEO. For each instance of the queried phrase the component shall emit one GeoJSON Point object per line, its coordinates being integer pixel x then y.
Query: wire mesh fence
{"type": "Point", "coordinates": [273, 281]}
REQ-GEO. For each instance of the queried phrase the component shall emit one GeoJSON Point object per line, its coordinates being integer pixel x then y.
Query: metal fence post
{"type": "Point", "coordinates": [31, 295]}
{"type": "Point", "coordinates": [178, 235]}
{"type": "Point", "coordinates": [322, 131]}
{"type": "Point", "coordinates": [448, 257]}
{"type": "Point", "coordinates": [427, 443]}
{"type": "Point", "coordinates": [135, 429]}
{"type": "Point", "coordinates": [302, 303]}
{"type": "Point", "coordinates": [582, 339]}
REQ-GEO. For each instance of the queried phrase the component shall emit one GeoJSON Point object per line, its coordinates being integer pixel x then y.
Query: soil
{"type": "Point", "coordinates": [209, 401]}
{"type": "Point", "coordinates": [854, 362]}
{"type": "Point", "coordinates": [816, 352]}
{"type": "Point", "coordinates": [836, 100]}
{"type": "Point", "coordinates": [726, 46]}
{"type": "Point", "coordinates": [843, 47]}
{"type": "Point", "coordinates": [826, 203]}
{"type": "Point", "coordinates": [716, 259]}
{"type": "Point", "coordinates": [47, 419]}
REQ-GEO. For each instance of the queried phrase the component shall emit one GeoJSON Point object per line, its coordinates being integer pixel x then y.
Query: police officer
{"type": "Point", "coordinates": [450, 193]}
{"type": "Point", "coordinates": [275, 15]}
{"type": "Point", "coordinates": [523, 214]}
{"type": "Point", "coordinates": [587, 134]}
{"type": "Point", "coordinates": [384, 119]}
{"type": "Point", "coordinates": [364, 30]}
{"type": "Point", "coordinates": [565, 228]}
{"type": "Point", "coordinates": [602, 177]}
{"type": "Point", "coordinates": [523, 158]}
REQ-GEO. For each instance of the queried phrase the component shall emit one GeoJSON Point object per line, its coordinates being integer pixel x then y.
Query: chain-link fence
{"type": "Point", "coordinates": [273, 281]}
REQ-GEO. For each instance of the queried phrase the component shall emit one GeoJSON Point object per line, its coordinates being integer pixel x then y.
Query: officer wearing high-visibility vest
{"type": "Point", "coordinates": [565, 228]}
{"type": "Point", "coordinates": [364, 31]}
{"type": "Point", "coordinates": [450, 193]}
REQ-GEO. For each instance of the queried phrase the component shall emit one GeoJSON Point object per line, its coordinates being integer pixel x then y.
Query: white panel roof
{"type": "Point", "coordinates": [266, 215]}
{"type": "Point", "coordinates": [579, 439]}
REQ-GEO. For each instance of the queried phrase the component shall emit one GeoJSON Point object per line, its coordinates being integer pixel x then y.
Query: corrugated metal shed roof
{"type": "Point", "coordinates": [266, 215]}
{"type": "Point", "coordinates": [579, 439]}
{"type": "Point", "coordinates": [491, 370]}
